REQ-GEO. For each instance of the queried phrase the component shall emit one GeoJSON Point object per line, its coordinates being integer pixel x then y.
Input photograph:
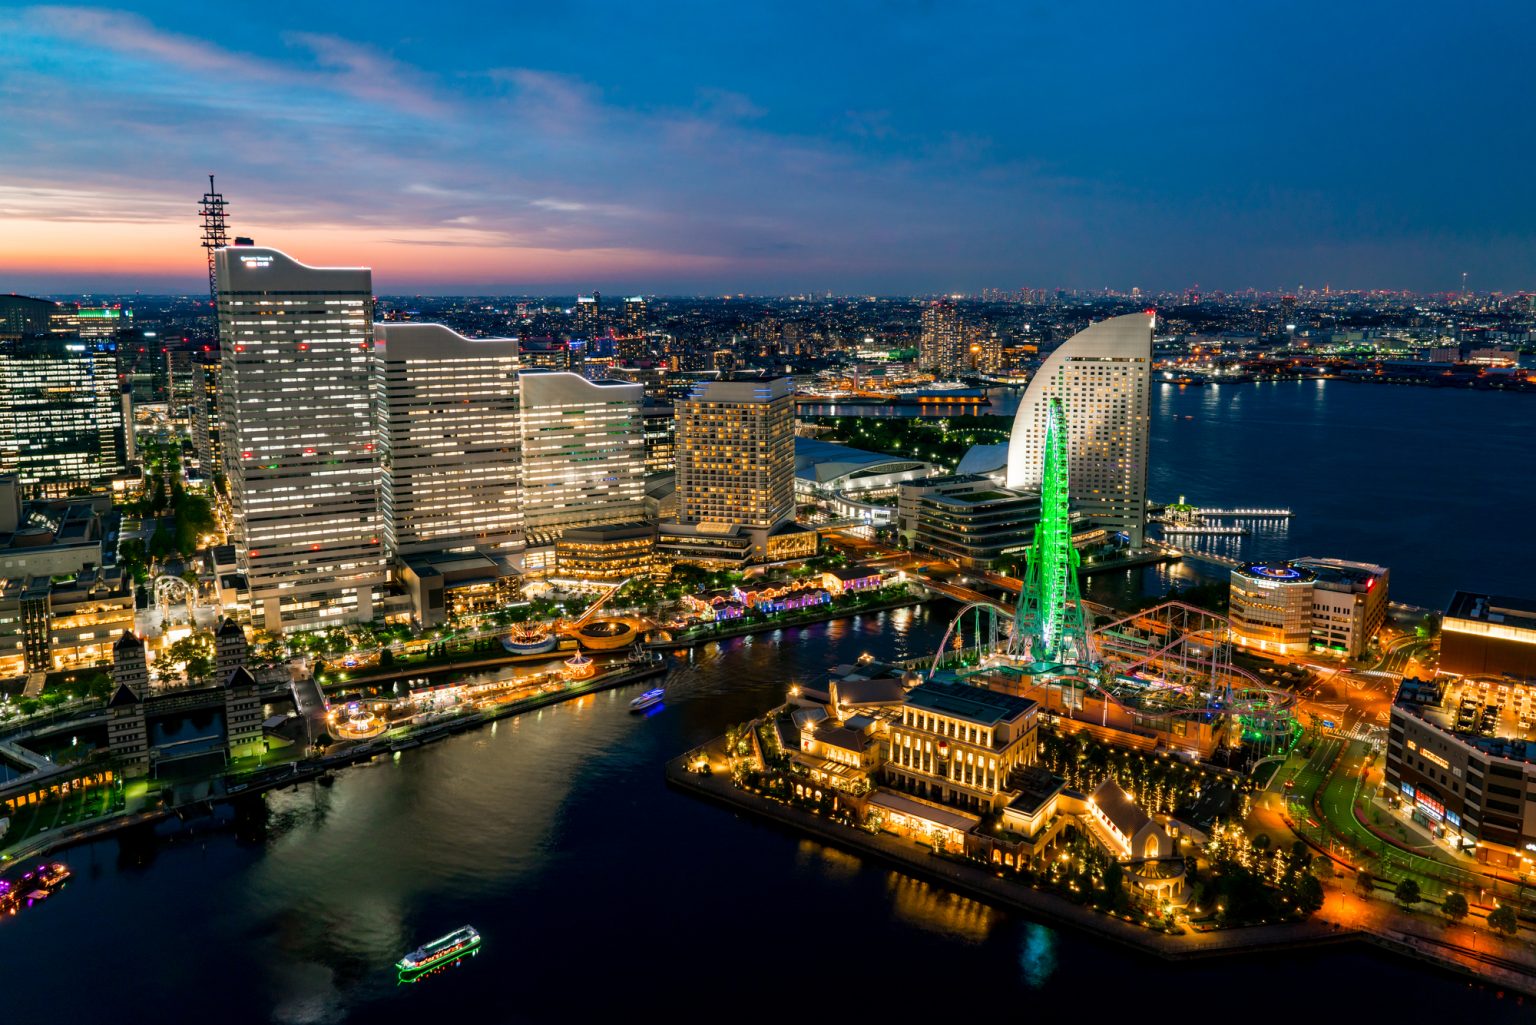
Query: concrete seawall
{"type": "Point", "coordinates": [993, 888]}
{"type": "Point", "coordinates": [304, 771]}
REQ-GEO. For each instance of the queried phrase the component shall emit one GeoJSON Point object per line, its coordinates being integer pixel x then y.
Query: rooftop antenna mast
{"type": "Point", "coordinates": [215, 232]}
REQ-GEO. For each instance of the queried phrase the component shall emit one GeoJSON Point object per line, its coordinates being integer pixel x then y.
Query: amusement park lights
{"type": "Point", "coordinates": [1050, 613]}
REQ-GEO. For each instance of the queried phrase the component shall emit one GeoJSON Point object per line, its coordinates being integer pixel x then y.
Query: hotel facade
{"type": "Point", "coordinates": [956, 744]}
{"type": "Point", "coordinates": [299, 444]}
{"type": "Point", "coordinates": [583, 452]}
{"type": "Point", "coordinates": [449, 439]}
{"type": "Point", "coordinates": [1102, 376]}
{"type": "Point", "coordinates": [736, 459]}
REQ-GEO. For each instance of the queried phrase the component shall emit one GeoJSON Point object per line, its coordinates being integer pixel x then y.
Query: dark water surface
{"type": "Point", "coordinates": [604, 896]}
{"type": "Point", "coordinates": [1434, 484]}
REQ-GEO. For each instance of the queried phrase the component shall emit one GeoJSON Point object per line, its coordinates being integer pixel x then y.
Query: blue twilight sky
{"type": "Point", "coordinates": [677, 147]}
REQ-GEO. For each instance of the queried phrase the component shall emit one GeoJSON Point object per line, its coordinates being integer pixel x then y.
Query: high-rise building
{"type": "Point", "coordinates": [1288, 320]}
{"type": "Point", "coordinates": [447, 414]}
{"type": "Point", "coordinates": [986, 351]}
{"type": "Point", "coordinates": [588, 315]}
{"type": "Point", "coordinates": [736, 453]}
{"type": "Point", "coordinates": [583, 452]}
{"type": "Point", "coordinates": [633, 343]}
{"type": "Point", "coordinates": [91, 321]}
{"type": "Point", "coordinates": [660, 438]}
{"type": "Point", "coordinates": [184, 384]}
{"type": "Point", "coordinates": [634, 315]}
{"type": "Point", "coordinates": [297, 435]}
{"type": "Point", "coordinates": [61, 420]}
{"type": "Point", "coordinates": [1102, 377]}
{"type": "Point", "coordinates": [199, 401]}
{"type": "Point", "coordinates": [22, 315]}
{"type": "Point", "coordinates": [942, 344]}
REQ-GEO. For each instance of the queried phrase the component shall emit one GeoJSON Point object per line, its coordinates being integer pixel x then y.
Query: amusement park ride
{"type": "Point", "coordinates": [602, 634]}
{"type": "Point", "coordinates": [1159, 678]}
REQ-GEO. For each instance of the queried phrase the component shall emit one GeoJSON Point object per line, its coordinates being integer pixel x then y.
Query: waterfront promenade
{"type": "Point", "coordinates": [991, 886]}
{"type": "Point", "coordinates": [1344, 917]}
{"type": "Point", "coordinates": [269, 777]}
{"type": "Point", "coordinates": [741, 628]}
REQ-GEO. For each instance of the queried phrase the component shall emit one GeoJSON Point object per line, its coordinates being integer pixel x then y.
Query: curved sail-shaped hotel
{"type": "Point", "coordinates": [1102, 375]}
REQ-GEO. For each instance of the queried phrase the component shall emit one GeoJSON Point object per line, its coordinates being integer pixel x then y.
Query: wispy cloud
{"type": "Point", "coordinates": [580, 147]}
{"type": "Point", "coordinates": [324, 130]}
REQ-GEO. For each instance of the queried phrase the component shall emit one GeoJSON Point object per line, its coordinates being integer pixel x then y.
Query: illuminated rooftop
{"type": "Point", "coordinates": [1495, 716]}
{"type": "Point", "coordinates": [973, 704]}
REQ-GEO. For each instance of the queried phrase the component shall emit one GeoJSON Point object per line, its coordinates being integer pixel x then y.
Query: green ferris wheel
{"type": "Point", "coordinates": [1049, 628]}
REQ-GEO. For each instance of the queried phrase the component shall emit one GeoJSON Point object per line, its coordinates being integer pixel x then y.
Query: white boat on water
{"type": "Point", "coordinates": [649, 699]}
{"type": "Point", "coordinates": [444, 948]}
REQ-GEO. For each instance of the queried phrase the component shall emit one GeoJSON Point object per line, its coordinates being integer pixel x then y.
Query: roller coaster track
{"type": "Point", "coordinates": [577, 624]}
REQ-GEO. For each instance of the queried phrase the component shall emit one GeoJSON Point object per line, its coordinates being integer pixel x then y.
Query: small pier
{"type": "Point", "coordinates": [1187, 529]}
{"type": "Point", "coordinates": [1243, 514]}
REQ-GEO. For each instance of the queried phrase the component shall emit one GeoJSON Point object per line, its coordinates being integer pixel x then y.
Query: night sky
{"type": "Point", "coordinates": [888, 148]}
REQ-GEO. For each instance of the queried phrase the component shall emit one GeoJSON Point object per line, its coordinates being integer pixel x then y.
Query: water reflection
{"type": "Point", "coordinates": [831, 862]}
{"type": "Point", "coordinates": [918, 903]}
{"type": "Point", "coordinates": [1037, 955]}
{"type": "Point", "coordinates": [403, 978]}
{"type": "Point", "coordinates": [306, 994]}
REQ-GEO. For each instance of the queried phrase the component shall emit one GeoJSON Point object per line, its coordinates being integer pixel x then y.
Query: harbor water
{"type": "Point", "coordinates": [601, 894]}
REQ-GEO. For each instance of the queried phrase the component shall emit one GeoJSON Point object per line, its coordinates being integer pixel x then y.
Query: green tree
{"type": "Point", "coordinates": [1365, 883]}
{"type": "Point", "coordinates": [1454, 907]}
{"type": "Point", "coordinates": [194, 654]}
{"type": "Point", "coordinates": [1309, 894]}
{"type": "Point", "coordinates": [1502, 920]}
{"type": "Point", "coordinates": [133, 557]}
{"type": "Point", "coordinates": [1407, 893]}
{"type": "Point", "coordinates": [162, 543]}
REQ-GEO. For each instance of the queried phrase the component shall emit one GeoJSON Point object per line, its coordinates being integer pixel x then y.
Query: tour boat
{"type": "Point", "coordinates": [444, 948]}
{"type": "Point", "coordinates": [647, 700]}
{"type": "Point", "coordinates": [529, 641]}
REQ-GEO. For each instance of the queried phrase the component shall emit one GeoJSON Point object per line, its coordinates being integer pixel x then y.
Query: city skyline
{"type": "Point", "coordinates": [1044, 151]}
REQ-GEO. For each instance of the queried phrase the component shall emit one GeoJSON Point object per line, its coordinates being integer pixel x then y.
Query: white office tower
{"type": "Point", "coordinates": [61, 415]}
{"type": "Point", "coordinates": [583, 452]}
{"type": "Point", "coordinates": [447, 413]}
{"type": "Point", "coordinates": [297, 436]}
{"type": "Point", "coordinates": [1102, 375]}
